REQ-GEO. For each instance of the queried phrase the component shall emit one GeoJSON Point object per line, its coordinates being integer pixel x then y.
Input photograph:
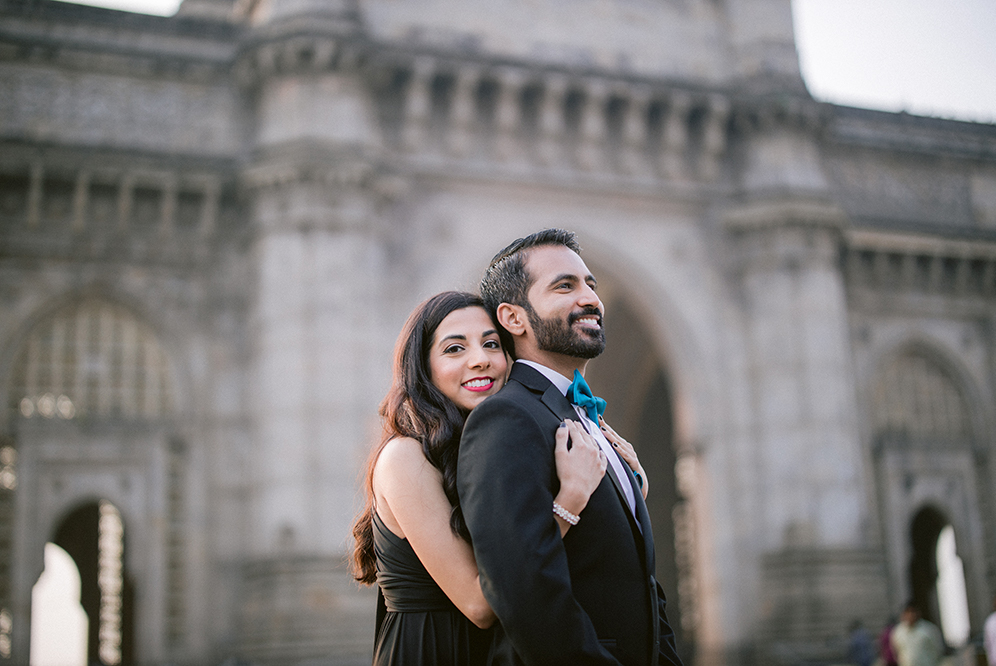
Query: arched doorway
{"type": "Point", "coordinates": [924, 531]}
{"type": "Point", "coordinates": [635, 382]}
{"type": "Point", "coordinates": [93, 536]}
{"type": "Point", "coordinates": [90, 404]}
{"type": "Point", "coordinates": [930, 481]}
{"type": "Point", "coordinates": [937, 577]}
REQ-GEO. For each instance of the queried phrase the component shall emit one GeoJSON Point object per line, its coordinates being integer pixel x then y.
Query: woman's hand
{"type": "Point", "coordinates": [580, 469]}
{"type": "Point", "coordinates": [627, 452]}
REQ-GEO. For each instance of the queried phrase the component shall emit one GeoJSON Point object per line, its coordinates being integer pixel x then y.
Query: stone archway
{"type": "Point", "coordinates": [91, 405]}
{"type": "Point", "coordinates": [635, 382]}
{"type": "Point", "coordinates": [928, 475]}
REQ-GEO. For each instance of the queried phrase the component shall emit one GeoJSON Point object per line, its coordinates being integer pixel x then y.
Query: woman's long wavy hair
{"type": "Point", "coordinates": [415, 408]}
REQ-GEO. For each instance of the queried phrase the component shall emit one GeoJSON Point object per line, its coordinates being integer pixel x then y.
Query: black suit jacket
{"type": "Point", "coordinates": [589, 598]}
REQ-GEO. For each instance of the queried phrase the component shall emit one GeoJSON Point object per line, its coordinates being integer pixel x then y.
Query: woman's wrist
{"type": "Point", "coordinates": [573, 501]}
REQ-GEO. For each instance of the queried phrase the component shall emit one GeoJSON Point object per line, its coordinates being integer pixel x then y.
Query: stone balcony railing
{"type": "Point", "coordinates": [465, 108]}
{"type": "Point", "coordinates": [898, 263]}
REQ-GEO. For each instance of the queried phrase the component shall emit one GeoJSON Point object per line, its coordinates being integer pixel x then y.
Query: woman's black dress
{"type": "Point", "coordinates": [421, 625]}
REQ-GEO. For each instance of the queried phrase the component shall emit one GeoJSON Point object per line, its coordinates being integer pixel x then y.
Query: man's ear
{"type": "Point", "coordinates": [512, 318]}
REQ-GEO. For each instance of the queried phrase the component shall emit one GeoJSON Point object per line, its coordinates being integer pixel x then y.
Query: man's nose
{"type": "Point", "coordinates": [587, 296]}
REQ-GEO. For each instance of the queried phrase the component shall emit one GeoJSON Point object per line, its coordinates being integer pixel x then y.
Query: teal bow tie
{"type": "Point", "coordinates": [579, 394]}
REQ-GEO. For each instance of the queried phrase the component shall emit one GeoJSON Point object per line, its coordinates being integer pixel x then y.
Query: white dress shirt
{"type": "Point", "coordinates": [563, 383]}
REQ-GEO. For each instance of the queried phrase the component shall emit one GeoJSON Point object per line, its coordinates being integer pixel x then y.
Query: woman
{"type": "Point", "coordinates": [411, 538]}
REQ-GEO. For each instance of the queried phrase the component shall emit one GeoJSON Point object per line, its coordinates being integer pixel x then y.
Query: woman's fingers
{"type": "Point", "coordinates": [563, 433]}
{"type": "Point", "coordinates": [624, 448]}
{"type": "Point", "coordinates": [579, 434]}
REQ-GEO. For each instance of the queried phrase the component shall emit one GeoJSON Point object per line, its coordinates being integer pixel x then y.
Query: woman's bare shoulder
{"type": "Point", "coordinates": [401, 456]}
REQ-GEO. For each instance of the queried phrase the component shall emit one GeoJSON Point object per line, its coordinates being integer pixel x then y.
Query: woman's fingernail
{"type": "Point", "coordinates": [563, 424]}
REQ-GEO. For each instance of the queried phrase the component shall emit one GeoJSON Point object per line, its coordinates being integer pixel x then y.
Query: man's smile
{"type": "Point", "coordinates": [587, 320]}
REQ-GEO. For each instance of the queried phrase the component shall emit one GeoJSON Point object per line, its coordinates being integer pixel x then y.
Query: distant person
{"type": "Point", "coordinates": [989, 636]}
{"type": "Point", "coordinates": [916, 641]}
{"type": "Point", "coordinates": [860, 645]}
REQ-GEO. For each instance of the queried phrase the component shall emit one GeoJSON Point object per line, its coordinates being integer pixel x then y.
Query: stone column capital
{"type": "Point", "coordinates": [771, 213]}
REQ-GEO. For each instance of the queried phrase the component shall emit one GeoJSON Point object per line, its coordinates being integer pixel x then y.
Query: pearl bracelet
{"type": "Point", "coordinates": [565, 514]}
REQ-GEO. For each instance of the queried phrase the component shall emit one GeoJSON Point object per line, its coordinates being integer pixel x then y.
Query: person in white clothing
{"type": "Point", "coordinates": [989, 636]}
{"type": "Point", "coordinates": [916, 641]}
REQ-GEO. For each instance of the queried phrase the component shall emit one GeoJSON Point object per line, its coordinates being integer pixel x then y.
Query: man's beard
{"type": "Point", "coordinates": [559, 337]}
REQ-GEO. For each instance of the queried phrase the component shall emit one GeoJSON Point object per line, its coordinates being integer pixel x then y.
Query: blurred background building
{"type": "Point", "coordinates": [213, 225]}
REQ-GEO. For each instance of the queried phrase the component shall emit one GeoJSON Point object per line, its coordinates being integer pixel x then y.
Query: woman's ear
{"type": "Point", "coordinates": [512, 318]}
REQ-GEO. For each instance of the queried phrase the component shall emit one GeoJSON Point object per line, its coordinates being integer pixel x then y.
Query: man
{"type": "Point", "coordinates": [860, 645]}
{"type": "Point", "coordinates": [916, 641]}
{"type": "Point", "coordinates": [591, 597]}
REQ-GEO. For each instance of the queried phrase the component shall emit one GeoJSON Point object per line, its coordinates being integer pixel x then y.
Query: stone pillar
{"type": "Point", "coordinates": [551, 121]}
{"type": "Point", "coordinates": [714, 137]}
{"type": "Point", "coordinates": [591, 130]}
{"type": "Point", "coordinates": [463, 111]}
{"type": "Point", "coordinates": [418, 105]}
{"type": "Point", "coordinates": [800, 365]}
{"type": "Point", "coordinates": [317, 350]}
{"type": "Point", "coordinates": [508, 114]}
{"type": "Point", "coordinates": [675, 139]}
{"type": "Point", "coordinates": [810, 495]}
{"type": "Point", "coordinates": [633, 157]}
{"type": "Point", "coordinates": [762, 42]}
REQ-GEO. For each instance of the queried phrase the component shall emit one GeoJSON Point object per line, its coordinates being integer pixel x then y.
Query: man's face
{"type": "Point", "coordinates": [564, 311]}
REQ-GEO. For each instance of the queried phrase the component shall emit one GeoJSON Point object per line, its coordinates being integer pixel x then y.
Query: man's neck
{"type": "Point", "coordinates": [565, 365]}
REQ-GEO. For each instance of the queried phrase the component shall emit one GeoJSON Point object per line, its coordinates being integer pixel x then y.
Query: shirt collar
{"type": "Point", "coordinates": [562, 383]}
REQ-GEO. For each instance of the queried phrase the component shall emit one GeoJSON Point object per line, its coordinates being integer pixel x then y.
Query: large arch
{"type": "Point", "coordinates": [926, 431]}
{"type": "Point", "coordinates": [661, 372]}
{"type": "Point", "coordinates": [654, 379]}
{"type": "Point", "coordinates": [89, 397]}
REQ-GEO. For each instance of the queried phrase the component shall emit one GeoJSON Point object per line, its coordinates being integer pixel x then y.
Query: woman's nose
{"type": "Point", "coordinates": [479, 359]}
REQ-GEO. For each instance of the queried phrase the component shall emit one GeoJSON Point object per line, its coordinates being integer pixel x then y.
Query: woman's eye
{"type": "Point", "coordinates": [492, 344]}
{"type": "Point", "coordinates": [452, 349]}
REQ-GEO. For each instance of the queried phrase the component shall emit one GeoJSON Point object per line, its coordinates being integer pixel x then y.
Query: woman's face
{"type": "Point", "coordinates": [466, 360]}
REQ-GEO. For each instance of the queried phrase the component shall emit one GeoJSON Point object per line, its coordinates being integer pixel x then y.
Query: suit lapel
{"type": "Point", "coordinates": [643, 516]}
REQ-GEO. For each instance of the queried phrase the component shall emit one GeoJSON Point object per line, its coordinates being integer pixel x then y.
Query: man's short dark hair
{"type": "Point", "coordinates": [506, 279]}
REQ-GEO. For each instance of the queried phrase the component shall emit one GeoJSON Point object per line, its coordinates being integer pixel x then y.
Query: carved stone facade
{"type": "Point", "coordinates": [213, 225]}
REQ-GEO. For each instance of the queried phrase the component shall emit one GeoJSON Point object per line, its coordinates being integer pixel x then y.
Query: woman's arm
{"type": "Point", "coordinates": [628, 454]}
{"type": "Point", "coordinates": [411, 502]}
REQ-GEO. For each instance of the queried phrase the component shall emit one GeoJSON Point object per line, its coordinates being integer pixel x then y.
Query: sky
{"type": "Point", "coordinates": [927, 57]}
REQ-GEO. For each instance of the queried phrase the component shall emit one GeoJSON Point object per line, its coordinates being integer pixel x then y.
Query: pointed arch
{"type": "Point", "coordinates": [91, 358]}
{"type": "Point", "coordinates": [919, 399]}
